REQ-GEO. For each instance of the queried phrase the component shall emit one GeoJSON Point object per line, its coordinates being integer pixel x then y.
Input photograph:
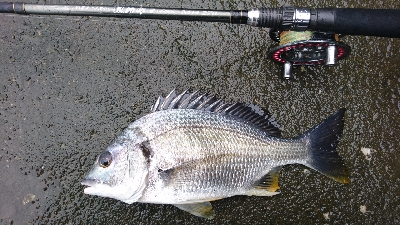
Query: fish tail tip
{"type": "Point", "coordinates": [322, 141]}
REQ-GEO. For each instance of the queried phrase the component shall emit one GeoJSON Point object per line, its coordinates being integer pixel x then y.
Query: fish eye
{"type": "Point", "coordinates": [105, 159]}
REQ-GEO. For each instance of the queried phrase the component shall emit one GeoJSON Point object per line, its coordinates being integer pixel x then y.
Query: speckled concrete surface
{"type": "Point", "coordinates": [69, 85]}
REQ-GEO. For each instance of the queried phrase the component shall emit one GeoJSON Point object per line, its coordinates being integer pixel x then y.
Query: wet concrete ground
{"type": "Point", "coordinates": [69, 85]}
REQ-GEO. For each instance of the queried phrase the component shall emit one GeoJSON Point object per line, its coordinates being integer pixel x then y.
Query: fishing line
{"type": "Point", "coordinates": [292, 36]}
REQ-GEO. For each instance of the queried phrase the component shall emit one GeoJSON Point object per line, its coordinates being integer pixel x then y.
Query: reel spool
{"type": "Point", "coordinates": [306, 48]}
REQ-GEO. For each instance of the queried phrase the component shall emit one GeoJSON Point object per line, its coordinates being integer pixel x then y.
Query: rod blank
{"type": "Point", "coordinates": [127, 12]}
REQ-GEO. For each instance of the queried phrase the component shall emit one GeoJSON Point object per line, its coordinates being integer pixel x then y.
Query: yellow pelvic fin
{"type": "Point", "coordinates": [201, 209]}
{"type": "Point", "coordinates": [268, 183]}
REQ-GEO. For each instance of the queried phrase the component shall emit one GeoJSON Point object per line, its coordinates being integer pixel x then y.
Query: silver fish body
{"type": "Point", "coordinates": [197, 155]}
{"type": "Point", "coordinates": [193, 149]}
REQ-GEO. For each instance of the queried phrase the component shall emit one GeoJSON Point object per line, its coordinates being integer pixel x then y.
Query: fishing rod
{"type": "Point", "coordinates": [306, 36]}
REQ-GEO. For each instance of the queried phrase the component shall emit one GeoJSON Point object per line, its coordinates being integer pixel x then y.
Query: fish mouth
{"type": "Point", "coordinates": [89, 182]}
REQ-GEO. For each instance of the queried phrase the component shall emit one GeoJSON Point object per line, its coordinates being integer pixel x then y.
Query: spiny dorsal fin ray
{"type": "Point", "coordinates": [157, 104]}
{"type": "Point", "coordinates": [196, 101]}
{"type": "Point", "coordinates": [174, 104]}
{"type": "Point", "coordinates": [208, 101]}
{"type": "Point", "coordinates": [167, 101]}
{"type": "Point", "coordinates": [187, 100]}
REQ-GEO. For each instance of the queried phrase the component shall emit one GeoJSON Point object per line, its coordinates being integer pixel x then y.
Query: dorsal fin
{"type": "Point", "coordinates": [250, 113]}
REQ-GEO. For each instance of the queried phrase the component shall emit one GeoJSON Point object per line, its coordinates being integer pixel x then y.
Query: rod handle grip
{"type": "Point", "coordinates": [355, 21]}
{"type": "Point", "coordinates": [12, 7]}
{"type": "Point", "coordinates": [6, 7]}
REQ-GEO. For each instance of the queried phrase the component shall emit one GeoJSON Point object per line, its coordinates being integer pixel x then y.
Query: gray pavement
{"type": "Point", "coordinates": [69, 85]}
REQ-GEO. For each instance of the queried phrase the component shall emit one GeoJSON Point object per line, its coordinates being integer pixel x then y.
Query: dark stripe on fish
{"type": "Point", "coordinates": [145, 147]}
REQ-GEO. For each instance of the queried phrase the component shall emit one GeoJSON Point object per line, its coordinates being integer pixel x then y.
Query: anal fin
{"type": "Point", "coordinates": [268, 184]}
{"type": "Point", "coordinates": [201, 209]}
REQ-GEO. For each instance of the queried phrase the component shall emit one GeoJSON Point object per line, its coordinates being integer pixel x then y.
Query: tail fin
{"type": "Point", "coordinates": [322, 141]}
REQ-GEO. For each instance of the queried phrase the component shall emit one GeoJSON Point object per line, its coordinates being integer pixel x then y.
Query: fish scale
{"type": "Point", "coordinates": [192, 149]}
{"type": "Point", "coordinates": [228, 147]}
{"type": "Point", "coordinates": [162, 121]}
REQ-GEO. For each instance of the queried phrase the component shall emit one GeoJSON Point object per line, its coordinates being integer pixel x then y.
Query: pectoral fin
{"type": "Point", "coordinates": [202, 209]}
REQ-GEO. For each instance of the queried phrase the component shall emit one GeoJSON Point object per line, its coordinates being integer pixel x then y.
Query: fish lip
{"type": "Point", "coordinates": [89, 182]}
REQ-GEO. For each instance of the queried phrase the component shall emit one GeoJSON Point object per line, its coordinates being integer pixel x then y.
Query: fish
{"type": "Point", "coordinates": [192, 149]}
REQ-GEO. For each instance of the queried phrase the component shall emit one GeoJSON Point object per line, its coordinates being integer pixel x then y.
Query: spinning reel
{"type": "Point", "coordinates": [306, 48]}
